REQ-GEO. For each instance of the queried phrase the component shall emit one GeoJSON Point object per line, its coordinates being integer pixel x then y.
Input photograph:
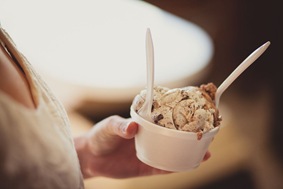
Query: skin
{"type": "Point", "coordinates": [106, 150]}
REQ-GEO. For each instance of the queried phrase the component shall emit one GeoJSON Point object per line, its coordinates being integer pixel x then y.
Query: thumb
{"type": "Point", "coordinates": [130, 130]}
{"type": "Point", "coordinates": [124, 128]}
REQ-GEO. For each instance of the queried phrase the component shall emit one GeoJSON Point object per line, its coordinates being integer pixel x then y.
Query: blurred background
{"type": "Point", "coordinates": [247, 152]}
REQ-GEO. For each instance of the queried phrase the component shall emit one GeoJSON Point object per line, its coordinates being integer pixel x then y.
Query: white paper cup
{"type": "Point", "coordinates": [169, 149]}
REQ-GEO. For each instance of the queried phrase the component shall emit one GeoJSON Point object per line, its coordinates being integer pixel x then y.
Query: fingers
{"type": "Point", "coordinates": [206, 156]}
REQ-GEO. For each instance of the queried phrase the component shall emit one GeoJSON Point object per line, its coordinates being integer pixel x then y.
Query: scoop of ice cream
{"type": "Point", "coordinates": [189, 109]}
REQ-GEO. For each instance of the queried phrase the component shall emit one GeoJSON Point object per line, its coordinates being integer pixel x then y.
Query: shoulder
{"type": "Point", "coordinates": [12, 79]}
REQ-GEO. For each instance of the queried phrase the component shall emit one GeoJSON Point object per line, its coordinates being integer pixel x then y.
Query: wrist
{"type": "Point", "coordinates": [84, 155]}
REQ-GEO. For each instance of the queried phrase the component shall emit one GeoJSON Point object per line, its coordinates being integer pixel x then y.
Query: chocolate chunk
{"type": "Point", "coordinates": [158, 118]}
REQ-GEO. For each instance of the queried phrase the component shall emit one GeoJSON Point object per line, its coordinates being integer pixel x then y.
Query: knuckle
{"type": "Point", "coordinates": [116, 124]}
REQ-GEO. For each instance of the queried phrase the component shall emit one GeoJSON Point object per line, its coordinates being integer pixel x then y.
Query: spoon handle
{"type": "Point", "coordinates": [242, 67]}
{"type": "Point", "coordinates": [150, 62]}
{"type": "Point", "coordinates": [150, 72]}
{"type": "Point", "coordinates": [145, 110]}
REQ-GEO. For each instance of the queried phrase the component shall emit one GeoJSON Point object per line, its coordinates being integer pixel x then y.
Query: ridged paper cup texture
{"type": "Point", "coordinates": [168, 149]}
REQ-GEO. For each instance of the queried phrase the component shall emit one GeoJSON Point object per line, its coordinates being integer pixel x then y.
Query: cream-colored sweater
{"type": "Point", "coordinates": [36, 146]}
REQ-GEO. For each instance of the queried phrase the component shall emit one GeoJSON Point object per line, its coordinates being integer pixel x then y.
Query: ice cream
{"type": "Point", "coordinates": [190, 109]}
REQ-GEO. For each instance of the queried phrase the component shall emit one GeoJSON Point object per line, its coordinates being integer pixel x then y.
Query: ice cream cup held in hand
{"type": "Point", "coordinates": [169, 149]}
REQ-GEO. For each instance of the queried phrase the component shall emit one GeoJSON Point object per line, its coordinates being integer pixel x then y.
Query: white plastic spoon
{"type": "Point", "coordinates": [242, 67]}
{"type": "Point", "coordinates": [145, 110]}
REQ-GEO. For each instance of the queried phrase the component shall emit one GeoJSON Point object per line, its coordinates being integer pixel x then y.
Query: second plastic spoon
{"type": "Point", "coordinates": [242, 67]}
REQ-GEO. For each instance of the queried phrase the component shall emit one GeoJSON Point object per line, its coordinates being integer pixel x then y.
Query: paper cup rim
{"type": "Point", "coordinates": [166, 131]}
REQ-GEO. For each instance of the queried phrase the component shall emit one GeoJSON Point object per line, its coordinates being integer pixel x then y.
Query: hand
{"type": "Point", "coordinates": [108, 150]}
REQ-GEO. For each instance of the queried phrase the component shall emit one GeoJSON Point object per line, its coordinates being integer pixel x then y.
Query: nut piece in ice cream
{"type": "Point", "coordinates": [190, 109]}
